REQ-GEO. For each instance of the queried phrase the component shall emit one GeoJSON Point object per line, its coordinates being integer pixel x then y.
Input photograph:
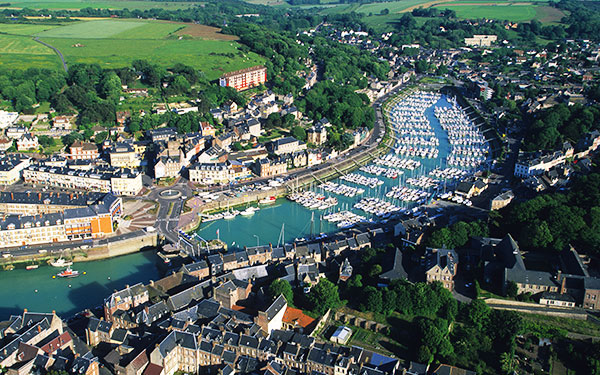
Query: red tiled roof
{"type": "Point", "coordinates": [297, 317]}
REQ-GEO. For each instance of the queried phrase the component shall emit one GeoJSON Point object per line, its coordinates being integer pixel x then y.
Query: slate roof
{"type": "Point", "coordinates": [277, 305]}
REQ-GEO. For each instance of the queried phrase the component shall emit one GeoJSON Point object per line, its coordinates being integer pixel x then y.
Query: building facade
{"type": "Point", "coordinates": [245, 78]}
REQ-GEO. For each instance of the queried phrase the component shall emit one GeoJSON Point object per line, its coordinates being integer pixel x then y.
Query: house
{"type": "Point", "coordinates": [199, 269]}
{"type": "Point", "coordinates": [502, 200]}
{"type": "Point", "coordinates": [316, 134]}
{"type": "Point", "coordinates": [123, 117]}
{"type": "Point", "coordinates": [295, 320]}
{"type": "Point", "coordinates": [272, 318]}
{"type": "Point", "coordinates": [285, 145]}
{"type": "Point", "coordinates": [7, 118]}
{"type": "Point", "coordinates": [27, 142]}
{"type": "Point", "coordinates": [341, 335]}
{"type": "Point", "coordinates": [161, 134]}
{"type": "Point", "coordinates": [125, 299]}
{"type": "Point", "coordinates": [270, 167]}
{"type": "Point", "coordinates": [62, 122]}
{"type": "Point", "coordinates": [557, 300]}
{"type": "Point", "coordinates": [11, 167]}
{"type": "Point", "coordinates": [177, 352]}
{"type": "Point", "coordinates": [83, 151]}
{"type": "Point", "coordinates": [471, 188]}
{"type": "Point", "coordinates": [98, 330]}
{"type": "Point", "coordinates": [230, 292]}
{"type": "Point", "coordinates": [441, 265]}
{"type": "Point", "coordinates": [206, 129]}
{"type": "Point", "coordinates": [167, 167]}
{"type": "Point", "coordinates": [123, 155]}
{"type": "Point", "coordinates": [5, 144]}
{"type": "Point", "coordinates": [451, 370]}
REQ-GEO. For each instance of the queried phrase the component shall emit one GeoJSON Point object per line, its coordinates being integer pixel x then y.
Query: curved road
{"type": "Point", "coordinates": [62, 58]}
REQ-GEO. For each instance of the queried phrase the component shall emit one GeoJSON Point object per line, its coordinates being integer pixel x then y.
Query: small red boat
{"type": "Point", "coordinates": [68, 273]}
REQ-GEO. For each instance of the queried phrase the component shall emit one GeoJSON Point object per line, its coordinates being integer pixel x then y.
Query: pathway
{"type": "Point", "coordinates": [62, 58]}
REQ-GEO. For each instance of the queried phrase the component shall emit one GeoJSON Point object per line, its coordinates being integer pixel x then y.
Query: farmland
{"type": "Point", "coordinates": [102, 4]}
{"type": "Point", "coordinates": [116, 43]}
{"type": "Point", "coordinates": [517, 12]}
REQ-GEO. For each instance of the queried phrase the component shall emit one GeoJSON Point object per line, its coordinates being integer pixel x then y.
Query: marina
{"type": "Point", "coordinates": [436, 146]}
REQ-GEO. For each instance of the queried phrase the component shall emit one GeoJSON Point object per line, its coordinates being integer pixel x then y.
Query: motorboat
{"type": "Point", "coordinates": [68, 273]}
{"type": "Point", "coordinates": [268, 200]}
{"type": "Point", "coordinates": [61, 262]}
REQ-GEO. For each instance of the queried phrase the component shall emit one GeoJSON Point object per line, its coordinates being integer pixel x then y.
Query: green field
{"type": "Point", "coordinates": [23, 29]}
{"type": "Point", "coordinates": [116, 43]}
{"type": "Point", "coordinates": [107, 4]}
{"type": "Point", "coordinates": [23, 45]}
{"type": "Point", "coordinates": [210, 56]}
{"type": "Point", "coordinates": [92, 29]}
{"type": "Point", "coordinates": [512, 12]}
{"type": "Point", "coordinates": [151, 30]}
{"type": "Point", "coordinates": [517, 11]}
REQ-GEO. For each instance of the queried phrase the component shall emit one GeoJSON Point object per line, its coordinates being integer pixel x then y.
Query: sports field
{"type": "Point", "coordinates": [103, 4]}
{"type": "Point", "coordinates": [116, 43]}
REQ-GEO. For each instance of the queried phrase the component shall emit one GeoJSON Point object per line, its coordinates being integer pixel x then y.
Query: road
{"type": "Point", "coordinates": [62, 58]}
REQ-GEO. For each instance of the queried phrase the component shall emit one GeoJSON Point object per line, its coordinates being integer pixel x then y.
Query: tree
{"type": "Point", "coordinates": [324, 296]}
{"type": "Point", "coordinates": [299, 133]}
{"type": "Point", "coordinates": [372, 300]}
{"type": "Point", "coordinates": [282, 287]}
{"type": "Point", "coordinates": [512, 289]}
{"type": "Point", "coordinates": [375, 270]}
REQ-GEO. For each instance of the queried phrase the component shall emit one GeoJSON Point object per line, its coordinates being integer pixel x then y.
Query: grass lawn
{"type": "Point", "coordinates": [92, 29]}
{"type": "Point", "coordinates": [213, 57]}
{"type": "Point", "coordinates": [106, 4]}
{"type": "Point", "coordinates": [43, 108]}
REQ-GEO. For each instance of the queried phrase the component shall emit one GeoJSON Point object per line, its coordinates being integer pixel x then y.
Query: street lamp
{"type": "Point", "coordinates": [257, 239]}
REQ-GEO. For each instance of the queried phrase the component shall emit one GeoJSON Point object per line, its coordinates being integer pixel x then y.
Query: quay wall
{"type": "Point", "coordinates": [102, 249]}
{"type": "Point", "coordinates": [316, 177]}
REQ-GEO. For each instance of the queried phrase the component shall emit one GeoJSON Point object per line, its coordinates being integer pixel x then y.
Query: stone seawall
{"type": "Point", "coordinates": [101, 250]}
{"type": "Point", "coordinates": [117, 248]}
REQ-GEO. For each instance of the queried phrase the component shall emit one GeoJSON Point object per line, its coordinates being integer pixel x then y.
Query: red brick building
{"type": "Point", "coordinates": [245, 78]}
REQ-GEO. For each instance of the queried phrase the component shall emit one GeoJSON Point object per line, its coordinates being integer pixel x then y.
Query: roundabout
{"type": "Point", "coordinates": [170, 194]}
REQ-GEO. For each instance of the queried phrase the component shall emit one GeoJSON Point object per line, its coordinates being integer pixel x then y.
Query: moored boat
{"type": "Point", "coordinates": [60, 262]}
{"type": "Point", "coordinates": [68, 273]}
{"type": "Point", "coordinates": [268, 200]}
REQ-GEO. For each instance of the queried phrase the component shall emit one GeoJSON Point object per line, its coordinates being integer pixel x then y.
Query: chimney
{"type": "Point", "coordinates": [563, 286]}
{"type": "Point", "coordinates": [558, 275]}
{"type": "Point", "coordinates": [39, 329]}
{"type": "Point", "coordinates": [53, 312]}
{"type": "Point", "coordinates": [40, 195]}
{"type": "Point", "coordinates": [24, 310]}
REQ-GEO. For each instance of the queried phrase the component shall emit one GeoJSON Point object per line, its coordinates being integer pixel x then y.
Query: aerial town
{"type": "Point", "coordinates": [300, 187]}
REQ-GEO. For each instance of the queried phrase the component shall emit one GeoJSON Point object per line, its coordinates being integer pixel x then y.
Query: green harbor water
{"type": "Point", "coordinates": [36, 290]}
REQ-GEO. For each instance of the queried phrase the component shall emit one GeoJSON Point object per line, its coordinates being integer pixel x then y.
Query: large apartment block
{"type": "Point", "coordinates": [117, 181]}
{"type": "Point", "coordinates": [245, 78]}
{"type": "Point", "coordinates": [56, 223]}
